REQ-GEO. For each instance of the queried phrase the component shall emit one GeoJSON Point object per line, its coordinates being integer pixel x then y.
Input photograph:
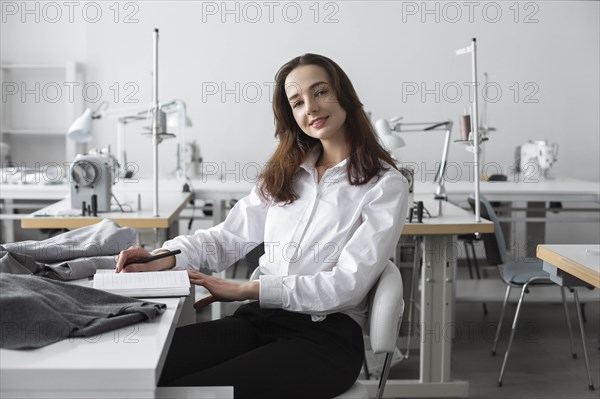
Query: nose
{"type": "Point", "coordinates": [311, 106]}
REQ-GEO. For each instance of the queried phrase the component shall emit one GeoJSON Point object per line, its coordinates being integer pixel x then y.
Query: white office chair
{"type": "Point", "coordinates": [386, 307]}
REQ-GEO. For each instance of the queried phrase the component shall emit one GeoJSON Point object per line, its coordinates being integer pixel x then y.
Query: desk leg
{"type": "Point", "coordinates": [437, 307]}
{"type": "Point", "coordinates": [9, 224]}
{"type": "Point", "coordinates": [437, 328]}
{"type": "Point", "coordinates": [535, 232]}
{"type": "Point", "coordinates": [188, 313]}
{"type": "Point", "coordinates": [218, 216]}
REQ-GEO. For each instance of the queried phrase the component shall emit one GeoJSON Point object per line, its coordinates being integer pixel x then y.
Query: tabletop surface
{"type": "Point", "coordinates": [231, 185]}
{"type": "Point", "coordinates": [550, 189]}
{"type": "Point", "coordinates": [453, 220]}
{"type": "Point", "coordinates": [60, 214]}
{"type": "Point", "coordinates": [580, 260]}
{"type": "Point", "coordinates": [95, 361]}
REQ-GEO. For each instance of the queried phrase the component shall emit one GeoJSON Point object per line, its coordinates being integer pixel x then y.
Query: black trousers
{"type": "Point", "coordinates": [268, 353]}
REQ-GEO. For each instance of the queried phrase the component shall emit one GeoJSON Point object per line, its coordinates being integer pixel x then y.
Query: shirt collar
{"type": "Point", "coordinates": [312, 157]}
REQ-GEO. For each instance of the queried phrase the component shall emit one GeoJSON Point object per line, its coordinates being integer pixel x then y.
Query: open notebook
{"type": "Point", "coordinates": [144, 285]}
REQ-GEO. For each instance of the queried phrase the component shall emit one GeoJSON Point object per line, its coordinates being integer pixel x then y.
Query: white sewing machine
{"type": "Point", "coordinates": [538, 153]}
{"type": "Point", "coordinates": [92, 174]}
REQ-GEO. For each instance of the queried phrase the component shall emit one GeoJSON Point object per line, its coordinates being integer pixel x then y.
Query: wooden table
{"type": "Point", "coordinates": [580, 261]}
{"type": "Point", "coordinates": [573, 266]}
{"type": "Point", "coordinates": [60, 215]}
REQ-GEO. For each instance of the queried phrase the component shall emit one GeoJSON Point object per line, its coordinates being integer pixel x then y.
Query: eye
{"type": "Point", "coordinates": [321, 92]}
{"type": "Point", "coordinates": [296, 104]}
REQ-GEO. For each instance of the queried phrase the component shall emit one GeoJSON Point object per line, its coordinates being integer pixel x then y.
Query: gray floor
{"type": "Point", "coordinates": [540, 365]}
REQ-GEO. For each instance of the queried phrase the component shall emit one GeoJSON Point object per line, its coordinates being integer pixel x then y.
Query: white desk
{"type": "Point", "coordinates": [217, 190]}
{"type": "Point", "coordinates": [528, 198]}
{"type": "Point", "coordinates": [437, 293]}
{"type": "Point", "coordinates": [60, 216]}
{"type": "Point", "coordinates": [515, 189]}
{"type": "Point", "coordinates": [124, 363]}
{"type": "Point", "coordinates": [580, 261]}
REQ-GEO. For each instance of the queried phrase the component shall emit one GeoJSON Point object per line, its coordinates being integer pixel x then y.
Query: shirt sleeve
{"type": "Point", "coordinates": [220, 246]}
{"type": "Point", "coordinates": [360, 263]}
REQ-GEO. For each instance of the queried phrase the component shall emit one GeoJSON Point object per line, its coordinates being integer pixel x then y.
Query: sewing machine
{"type": "Point", "coordinates": [537, 152]}
{"type": "Point", "coordinates": [92, 174]}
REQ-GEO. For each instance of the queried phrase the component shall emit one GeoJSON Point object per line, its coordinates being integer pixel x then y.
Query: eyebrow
{"type": "Point", "coordinates": [312, 86]}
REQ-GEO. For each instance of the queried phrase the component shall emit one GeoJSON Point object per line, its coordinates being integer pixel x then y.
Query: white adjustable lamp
{"type": "Point", "coordinates": [81, 129]}
{"type": "Point", "coordinates": [384, 131]}
{"type": "Point", "coordinates": [385, 128]}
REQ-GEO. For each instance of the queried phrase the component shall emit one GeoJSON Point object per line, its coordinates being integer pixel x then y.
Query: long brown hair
{"type": "Point", "coordinates": [366, 153]}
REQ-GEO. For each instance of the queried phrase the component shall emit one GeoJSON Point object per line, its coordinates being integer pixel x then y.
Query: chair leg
{"type": "Point", "coordinates": [506, 295]}
{"type": "Point", "coordinates": [564, 301]}
{"type": "Point", "coordinates": [366, 369]}
{"type": "Point", "coordinates": [512, 334]}
{"type": "Point", "coordinates": [476, 264]}
{"type": "Point", "coordinates": [585, 356]}
{"type": "Point", "coordinates": [413, 285]}
{"type": "Point", "coordinates": [384, 375]}
{"type": "Point", "coordinates": [468, 259]}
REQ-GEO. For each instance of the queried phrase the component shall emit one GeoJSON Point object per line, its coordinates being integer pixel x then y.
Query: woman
{"type": "Point", "coordinates": [329, 207]}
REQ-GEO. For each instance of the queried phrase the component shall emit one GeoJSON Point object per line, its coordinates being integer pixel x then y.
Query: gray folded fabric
{"type": "Point", "coordinates": [36, 311]}
{"type": "Point", "coordinates": [72, 255]}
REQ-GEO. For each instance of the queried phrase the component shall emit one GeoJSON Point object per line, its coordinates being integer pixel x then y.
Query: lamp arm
{"type": "Point", "coordinates": [440, 176]}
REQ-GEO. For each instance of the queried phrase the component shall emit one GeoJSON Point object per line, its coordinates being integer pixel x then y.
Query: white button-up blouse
{"type": "Point", "coordinates": [323, 252]}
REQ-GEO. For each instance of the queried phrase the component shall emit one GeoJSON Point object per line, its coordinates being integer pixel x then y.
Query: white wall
{"type": "Point", "coordinates": [385, 47]}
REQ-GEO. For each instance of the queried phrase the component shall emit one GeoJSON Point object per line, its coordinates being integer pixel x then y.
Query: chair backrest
{"type": "Point", "coordinates": [386, 306]}
{"type": "Point", "coordinates": [495, 246]}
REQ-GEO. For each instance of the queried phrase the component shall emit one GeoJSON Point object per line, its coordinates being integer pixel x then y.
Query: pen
{"type": "Point", "coordinates": [153, 257]}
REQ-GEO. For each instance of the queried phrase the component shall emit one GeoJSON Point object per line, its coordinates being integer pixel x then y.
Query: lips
{"type": "Point", "coordinates": [318, 122]}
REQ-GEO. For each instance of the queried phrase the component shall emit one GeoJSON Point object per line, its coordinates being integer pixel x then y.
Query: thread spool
{"type": "Point", "coordinates": [465, 127]}
{"type": "Point", "coordinates": [94, 205]}
{"type": "Point", "coordinates": [420, 211]}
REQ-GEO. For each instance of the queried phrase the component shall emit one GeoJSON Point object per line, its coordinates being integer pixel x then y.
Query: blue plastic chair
{"type": "Point", "coordinates": [523, 274]}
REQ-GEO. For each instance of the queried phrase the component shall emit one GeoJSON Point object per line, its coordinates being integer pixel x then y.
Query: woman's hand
{"type": "Point", "coordinates": [223, 290]}
{"type": "Point", "coordinates": [136, 253]}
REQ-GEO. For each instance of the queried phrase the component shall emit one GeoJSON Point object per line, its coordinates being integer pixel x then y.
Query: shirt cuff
{"type": "Point", "coordinates": [181, 260]}
{"type": "Point", "coordinates": [271, 288]}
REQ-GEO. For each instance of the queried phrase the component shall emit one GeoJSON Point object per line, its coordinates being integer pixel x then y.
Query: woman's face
{"type": "Point", "coordinates": [314, 103]}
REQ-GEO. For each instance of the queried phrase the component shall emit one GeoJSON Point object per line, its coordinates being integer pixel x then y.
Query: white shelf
{"type": "Point", "coordinates": [48, 132]}
{"type": "Point", "coordinates": [70, 71]}
{"type": "Point", "coordinates": [34, 66]}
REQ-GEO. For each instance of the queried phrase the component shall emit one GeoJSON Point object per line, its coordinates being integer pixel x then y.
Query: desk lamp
{"type": "Point", "coordinates": [385, 129]}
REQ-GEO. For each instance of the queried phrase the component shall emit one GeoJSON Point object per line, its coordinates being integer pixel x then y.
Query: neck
{"type": "Point", "coordinates": [334, 152]}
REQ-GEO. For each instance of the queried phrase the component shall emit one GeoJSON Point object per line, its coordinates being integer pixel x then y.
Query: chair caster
{"type": "Point", "coordinates": [592, 387]}
{"type": "Point", "coordinates": [493, 353]}
{"type": "Point", "coordinates": [574, 355]}
{"type": "Point", "coordinates": [499, 384]}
